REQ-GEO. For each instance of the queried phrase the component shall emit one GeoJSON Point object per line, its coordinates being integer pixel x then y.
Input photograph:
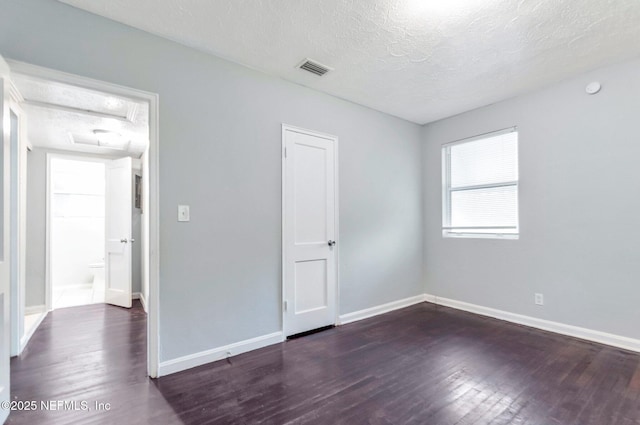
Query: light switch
{"type": "Point", "coordinates": [183, 212]}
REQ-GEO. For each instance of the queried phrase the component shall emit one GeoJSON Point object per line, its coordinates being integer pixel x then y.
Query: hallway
{"type": "Point", "coordinates": [92, 354]}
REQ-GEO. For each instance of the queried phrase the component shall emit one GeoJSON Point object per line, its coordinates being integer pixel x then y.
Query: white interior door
{"type": "Point", "coordinates": [119, 203]}
{"type": "Point", "coordinates": [309, 230]}
{"type": "Point", "coordinates": [5, 264]}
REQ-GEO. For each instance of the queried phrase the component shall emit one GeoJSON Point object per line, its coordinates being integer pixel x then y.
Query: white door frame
{"type": "Point", "coordinates": [18, 234]}
{"type": "Point", "coordinates": [336, 248]}
{"type": "Point", "coordinates": [5, 264]}
{"type": "Point", "coordinates": [150, 252]}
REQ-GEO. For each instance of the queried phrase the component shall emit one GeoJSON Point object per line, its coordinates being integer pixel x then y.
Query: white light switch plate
{"type": "Point", "coordinates": [183, 212]}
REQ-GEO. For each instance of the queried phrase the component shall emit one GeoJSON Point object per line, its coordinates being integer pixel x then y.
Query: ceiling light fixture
{"type": "Point", "coordinates": [111, 139]}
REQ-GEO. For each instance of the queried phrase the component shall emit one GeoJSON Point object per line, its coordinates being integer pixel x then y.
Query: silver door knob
{"type": "Point", "coordinates": [331, 243]}
{"type": "Point", "coordinates": [124, 240]}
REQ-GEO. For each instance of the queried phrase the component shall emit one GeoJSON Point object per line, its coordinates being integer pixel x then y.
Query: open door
{"type": "Point", "coordinates": [119, 203]}
{"type": "Point", "coordinates": [5, 264]}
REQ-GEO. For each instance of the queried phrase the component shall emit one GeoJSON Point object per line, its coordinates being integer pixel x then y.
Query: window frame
{"type": "Point", "coordinates": [447, 229]}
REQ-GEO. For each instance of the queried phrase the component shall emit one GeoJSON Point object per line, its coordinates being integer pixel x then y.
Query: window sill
{"type": "Point", "coordinates": [505, 236]}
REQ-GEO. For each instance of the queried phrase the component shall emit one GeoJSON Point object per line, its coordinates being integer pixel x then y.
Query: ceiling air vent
{"type": "Point", "coordinates": [314, 67]}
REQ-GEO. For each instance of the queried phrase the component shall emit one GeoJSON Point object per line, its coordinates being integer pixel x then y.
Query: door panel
{"type": "Point", "coordinates": [310, 195]}
{"type": "Point", "coordinates": [119, 203]}
{"type": "Point", "coordinates": [310, 279]}
{"type": "Point", "coordinates": [311, 285]}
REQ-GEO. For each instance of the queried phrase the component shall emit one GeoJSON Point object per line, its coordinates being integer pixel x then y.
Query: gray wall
{"type": "Point", "coordinates": [220, 140]}
{"type": "Point", "coordinates": [35, 290]}
{"type": "Point", "coordinates": [579, 207]}
{"type": "Point", "coordinates": [35, 286]}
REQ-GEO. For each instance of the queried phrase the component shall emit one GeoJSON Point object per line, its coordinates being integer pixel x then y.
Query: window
{"type": "Point", "coordinates": [480, 196]}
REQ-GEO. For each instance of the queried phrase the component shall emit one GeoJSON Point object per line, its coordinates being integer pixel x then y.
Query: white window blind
{"type": "Point", "coordinates": [481, 186]}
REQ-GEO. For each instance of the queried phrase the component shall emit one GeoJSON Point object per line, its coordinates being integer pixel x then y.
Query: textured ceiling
{"type": "Point", "coordinates": [59, 113]}
{"type": "Point", "coordinates": [421, 60]}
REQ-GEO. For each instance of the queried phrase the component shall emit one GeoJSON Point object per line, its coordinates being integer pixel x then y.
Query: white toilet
{"type": "Point", "coordinates": [97, 270]}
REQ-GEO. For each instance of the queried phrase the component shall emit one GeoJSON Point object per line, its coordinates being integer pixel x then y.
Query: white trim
{"type": "Point", "coordinates": [153, 209]}
{"type": "Point", "coordinates": [153, 251]}
{"type": "Point", "coordinates": [219, 353]}
{"type": "Point", "coordinates": [48, 298]}
{"type": "Point", "coordinates": [459, 232]}
{"type": "Point", "coordinates": [494, 133]}
{"type": "Point", "coordinates": [135, 295]}
{"type": "Point", "coordinates": [380, 309]}
{"type": "Point", "coordinates": [462, 235]}
{"type": "Point", "coordinates": [546, 325]}
{"type": "Point", "coordinates": [430, 298]}
{"type": "Point", "coordinates": [143, 301]}
{"type": "Point", "coordinates": [309, 132]}
{"type": "Point", "coordinates": [18, 219]}
{"type": "Point", "coordinates": [35, 309]}
{"type": "Point", "coordinates": [283, 231]}
{"type": "Point", "coordinates": [27, 336]}
{"type": "Point", "coordinates": [336, 184]}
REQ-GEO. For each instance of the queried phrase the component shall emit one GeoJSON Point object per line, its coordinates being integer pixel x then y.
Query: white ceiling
{"type": "Point", "coordinates": [421, 60]}
{"type": "Point", "coordinates": [60, 115]}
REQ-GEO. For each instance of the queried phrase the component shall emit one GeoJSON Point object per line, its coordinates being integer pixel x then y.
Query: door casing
{"type": "Point", "coordinates": [5, 259]}
{"type": "Point", "coordinates": [151, 226]}
{"type": "Point", "coordinates": [18, 222]}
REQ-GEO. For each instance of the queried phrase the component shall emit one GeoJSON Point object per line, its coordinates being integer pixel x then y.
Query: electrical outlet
{"type": "Point", "coordinates": [539, 299]}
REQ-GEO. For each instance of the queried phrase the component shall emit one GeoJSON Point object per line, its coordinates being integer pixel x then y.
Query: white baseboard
{"type": "Point", "coordinates": [430, 298]}
{"type": "Point", "coordinates": [380, 309]}
{"type": "Point", "coordinates": [215, 354]}
{"type": "Point", "coordinates": [29, 332]}
{"type": "Point", "coordinates": [143, 301]}
{"type": "Point", "coordinates": [546, 325]}
{"type": "Point", "coordinates": [35, 309]}
{"type": "Point", "coordinates": [135, 295]}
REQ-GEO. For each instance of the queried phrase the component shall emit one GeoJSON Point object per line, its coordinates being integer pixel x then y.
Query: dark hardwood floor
{"type": "Point", "coordinates": [94, 353]}
{"type": "Point", "coordinates": [420, 365]}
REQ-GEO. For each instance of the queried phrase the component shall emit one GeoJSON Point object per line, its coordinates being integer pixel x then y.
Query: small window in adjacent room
{"type": "Point", "coordinates": [480, 182]}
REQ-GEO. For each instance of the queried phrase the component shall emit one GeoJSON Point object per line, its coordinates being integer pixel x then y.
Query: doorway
{"type": "Point", "coordinates": [309, 230]}
{"type": "Point", "coordinates": [76, 220]}
{"type": "Point", "coordinates": [42, 98]}
{"type": "Point", "coordinates": [94, 231]}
